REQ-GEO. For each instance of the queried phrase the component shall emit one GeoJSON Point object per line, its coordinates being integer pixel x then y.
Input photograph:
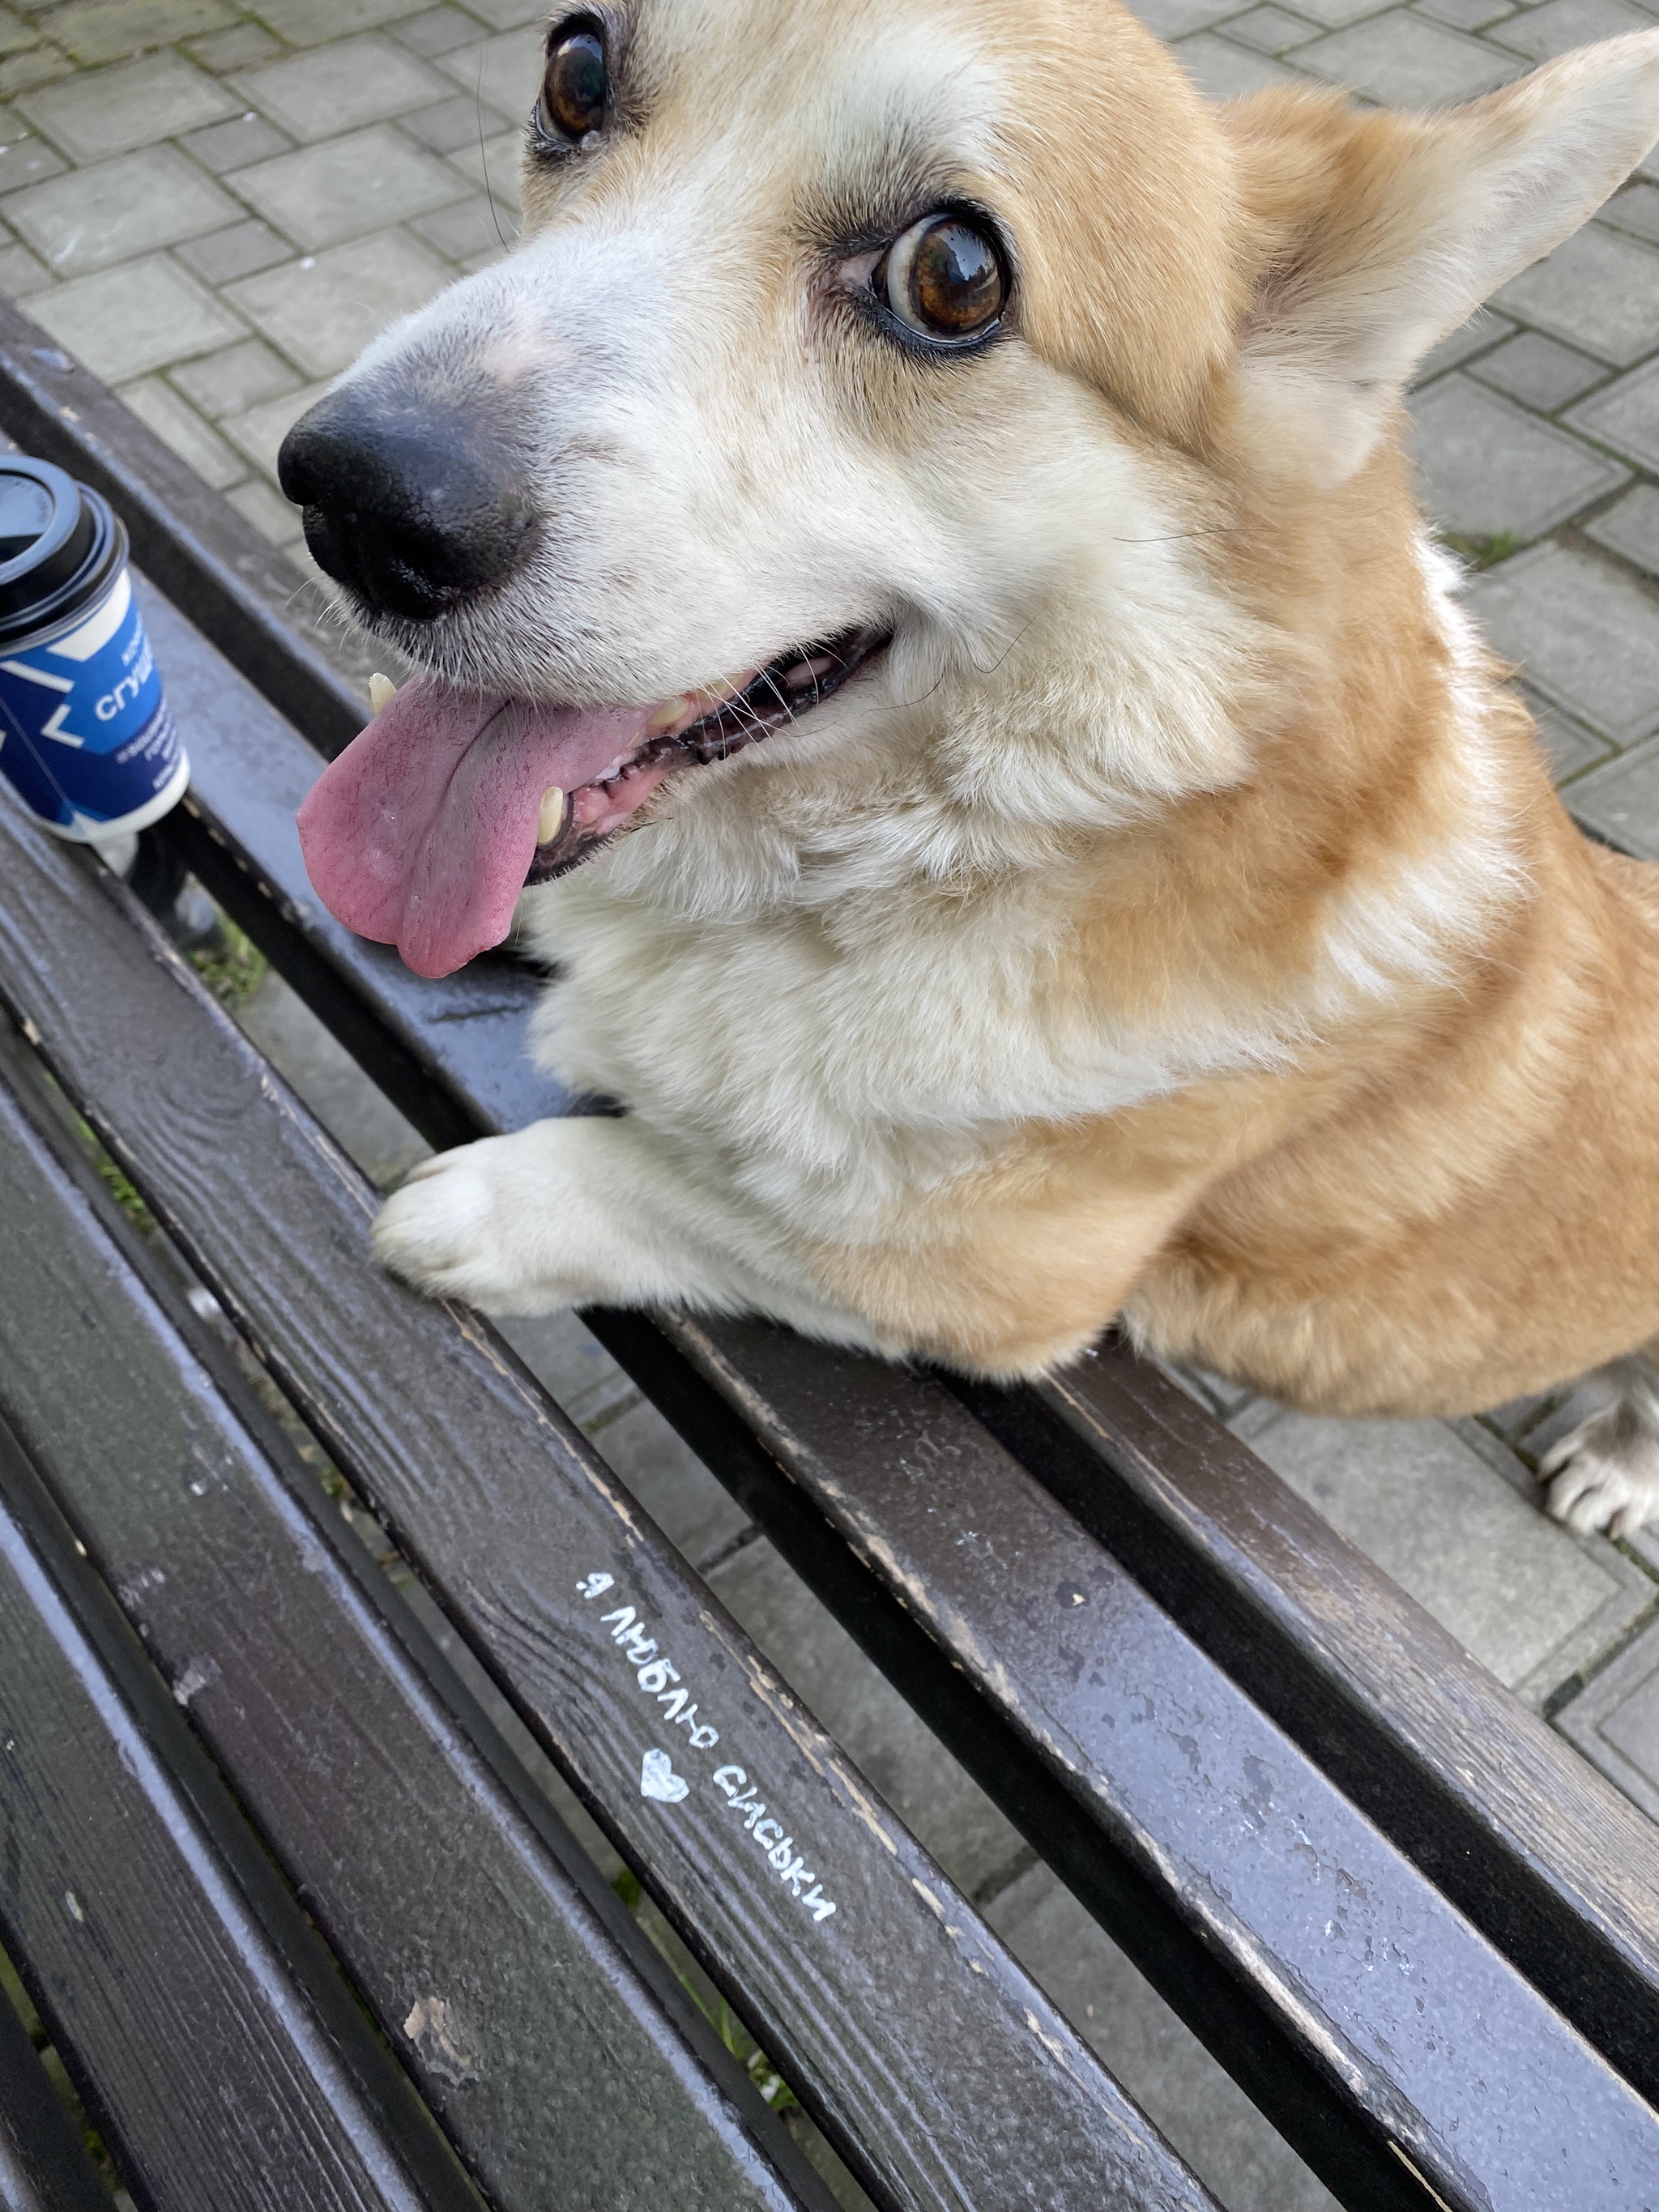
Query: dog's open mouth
{"type": "Point", "coordinates": [427, 828]}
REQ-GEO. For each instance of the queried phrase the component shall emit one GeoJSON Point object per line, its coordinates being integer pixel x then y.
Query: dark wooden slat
{"type": "Point", "coordinates": [1565, 1865]}
{"type": "Point", "coordinates": [563, 2050]}
{"type": "Point", "coordinates": [940, 2069]}
{"type": "Point", "coordinates": [224, 2060]}
{"type": "Point", "coordinates": [43, 2165]}
{"type": "Point", "coordinates": [193, 543]}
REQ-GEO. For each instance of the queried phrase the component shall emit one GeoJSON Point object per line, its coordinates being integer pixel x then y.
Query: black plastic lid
{"type": "Point", "coordinates": [58, 545]}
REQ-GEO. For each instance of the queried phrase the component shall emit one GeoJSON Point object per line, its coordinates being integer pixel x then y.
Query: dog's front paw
{"type": "Point", "coordinates": [1606, 1475]}
{"type": "Point", "coordinates": [464, 1226]}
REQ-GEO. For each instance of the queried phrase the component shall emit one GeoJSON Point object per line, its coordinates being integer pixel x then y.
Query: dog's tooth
{"type": "Point", "coordinates": [382, 692]}
{"type": "Point", "coordinates": [550, 820]}
{"type": "Point", "coordinates": [668, 714]}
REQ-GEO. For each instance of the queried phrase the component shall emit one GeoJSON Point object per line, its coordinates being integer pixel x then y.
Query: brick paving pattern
{"type": "Point", "coordinates": [214, 207]}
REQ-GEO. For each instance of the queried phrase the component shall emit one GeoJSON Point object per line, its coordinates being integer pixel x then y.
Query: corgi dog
{"type": "Point", "coordinates": [921, 616]}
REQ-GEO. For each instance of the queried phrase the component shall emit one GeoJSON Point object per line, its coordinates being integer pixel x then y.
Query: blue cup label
{"type": "Point", "coordinates": [86, 738]}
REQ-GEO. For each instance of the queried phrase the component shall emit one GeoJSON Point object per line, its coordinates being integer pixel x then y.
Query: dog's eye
{"type": "Point", "coordinates": [575, 84]}
{"type": "Point", "coordinates": [943, 277]}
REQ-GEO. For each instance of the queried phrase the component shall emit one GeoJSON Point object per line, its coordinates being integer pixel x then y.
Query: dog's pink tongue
{"type": "Point", "coordinates": [420, 833]}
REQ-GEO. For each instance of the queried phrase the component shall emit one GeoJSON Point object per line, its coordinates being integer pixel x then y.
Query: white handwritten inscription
{"type": "Point", "coordinates": [660, 1680]}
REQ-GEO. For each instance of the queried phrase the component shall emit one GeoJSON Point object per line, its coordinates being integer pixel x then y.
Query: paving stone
{"type": "Point", "coordinates": [242, 48]}
{"type": "Point", "coordinates": [505, 72]}
{"type": "Point", "coordinates": [1482, 331]}
{"type": "Point", "coordinates": [453, 124]}
{"type": "Point", "coordinates": [1622, 801]}
{"type": "Point", "coordinates": [572, 1363]}
{"type": "Point", "coordinates": [29, 161]}
{"type": "Point", "coordinates": [95, 31]}
{"type": "Point", "coordinates": [15, 33]}
{"type": "Point", "coordinates": [259, 431]}
{"type": "Point", "coordinates": [1626, 415]}
{"type": "Point", "coordinates": [12, 127]}
{"type": "Point", "coordinates": [237, 251]}
{"type": "Point", "coordinates": [235, 145]}
{"type": "Point", "coordinates": [1519, 1593]}
{"type": "Point", "coordinates": [310, 22]}
{"type": "Point", "coordinates": [241, 377]}
{"type": "Point", "coordinates": [1632, 527]}
{"type": "Point", "coordinates": [177, 423]}
{"type": "Point", "coordinates": [1599, 291]}
{"type": "Point", "coordinates": [1222, 70]}
{"type": "Point", "coordinates": [438, 31]}
{"type": "Point", "coordinates": [366, 181]}
{"type": "Point", "coordinates": [323, 310]}
{"type": "Point", "coordinates": [1635, 210]}
{"type": "Point", "coordinates": [902, 1757]}
{"type": "Point", "coordinates": [1539, 370]}
{"type": "Point", "coordinates": [1271, 30]}
{"type": "Point", "coordinates": [494, 165]}
{"type": "Point", "coordinates": [114, 111]}
{"type": "Point", "coordinates": [670, 1481]}
{"type": "Point", "coordinates": [87, 218]}
{"type": "Point", "coordinates": [1569, 747]}
{"type": "Point", "coordinates": [1157, 2057]}
{"type": "Point", "coordinates": [1465, 15]}
{"type": "Point", "coordinates": [367, 1125]}
{"type": "Point", "coordinates": [339, 88]}
{"type": "Point", "coordinates": [1616, 1722]}
{"type": "Point", "coordinates": [21, 274]}
{"type": "Point", "coordinates": [1486, 468]}
{"type": "Point", "coordinates": [40, 65]}
{"type": "Point", "coordinates": [1175, 19]}
{"type": "Point", "coordinates": [269, 512]}
{"type": "Point", "coordinates": [506, 14]}
{"type": "Point", "coordinates": [1405, 62]}
{"type": "Point", "coordinates": [1542, 33]}
{"type": "Point", "coordinates": [125, 321]}
{"type": "Point", "coordinates": [1583, 632]}
{"type": "Point", "coordinates": [1336, 14]}
{"type": "Point", "coordinates": [474, 226]}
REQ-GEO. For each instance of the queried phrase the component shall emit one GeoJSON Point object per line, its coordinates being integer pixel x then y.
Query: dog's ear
{"type": "Point", "coordinates": [1375, 234]}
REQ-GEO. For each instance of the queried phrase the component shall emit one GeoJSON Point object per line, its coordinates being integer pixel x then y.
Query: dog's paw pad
{"type": "Point", "coordinates": [435, 1232]}
{"type": "Point", "coordinates": [1604, 1475]}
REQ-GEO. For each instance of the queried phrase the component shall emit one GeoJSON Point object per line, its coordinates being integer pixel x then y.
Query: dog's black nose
{"type": "Point", "coordinates": [413, 506]}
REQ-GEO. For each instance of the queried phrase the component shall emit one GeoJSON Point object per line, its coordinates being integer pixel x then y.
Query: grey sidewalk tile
{"type": "Point", "coordinates": [1157, 2057]}
{"type": "Point", "coordinates": [1517, 1592]}
{"type": "Point", "coordinates": [40, 65]}
{"type": "Point", "coordinates": [245, 47]}
{"type": "Point", "coordinates": [92, 32]}
{"type": "Point", "coordinates": [505, 72]}
{"type": "Point", "coordinates": [365, 1124]}
{"type": "Point", "coordinates": [178, 424]}
{"type": "Point", "coordinates": [1482, 331]}
{"type": "Point", "coordinates": [1540, 371]}
{"type": "Point", "coordinates": [1486, 467]}
{"type": "Point", "coordinates": [87, 218]}
{"type": "Point", "coordinates": [507, 14]}
{"type": "Point", "coordinates": [454, 124]}
{"type": "Point", "coordinates": [474, 226]}
{"type": "Point", "coordinates": [1222, 70]}
{"type": "Point", "coordinates": [29, 161]}
{"type": "Point", "coordinates": [322, 315]}
{"type": "Point", "coordinates": [126, 321]}
{"type": "Point", "coordinates": [572, 1363]}
{"type": "Point", "coordinates": [21, 274]}
{"type": "Point", "coordinates": [670, 1481]}
{"type": "Point", "coordinates": [1465, 15]}
{"type": "Point", "coordinates": [268, 511]}
{"type": "Point", "coordinates": [1581, 631]}
{"type": "Point", "coordinates": [1405, 62]}
{"type": "Point", "coordinates": [1632, 527]}
{"type": "Point", "coordinates": [1271, 30]}
{"type": "Point", "coordinates": [1614, 1721]}
{"type": "Point", "coordinates": [1626, 415]}
{"type": "Point", "coordinates": [898, 1753]}
{"type": "Point", "coordinates": [234, 145]}
{"type": "Point", "coordinates": [1178, 18]}
{"type": "Point", "coordinates": [1569, 747]}
{"type": "Point", "coordinates": [114, 111]}
{"type": "Point", "coordinates": [1599, 291]}
{"type": "Point", "coordinates": [259, 431]}
{"type": "Point", "coordinates": [311, 22]}
{"type": "Point", "coordinates": [494, 166]}
{"type": "Point", "coordinates": [1337, 14]}
{"type": "Point", "coordinates": [339, 88]}
{"type": "Point", "coordinates": [322, 195]}
{"type": "Point", "coordinates": [1635, 210]}
{"type": "Point", "coordinates": [1541, 34]}
{"type": "Point", "coordinates": [241, 377]}
{"type": "Point", "coordinates": [436, 31]}
{"type": "Point", "coordinates": [1622, 801]}
{"type": "Point", "coordinates": [225, 255]}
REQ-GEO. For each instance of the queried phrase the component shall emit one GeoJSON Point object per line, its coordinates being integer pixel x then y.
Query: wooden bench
{"type": "Point", "coordinates": [302, 1927]}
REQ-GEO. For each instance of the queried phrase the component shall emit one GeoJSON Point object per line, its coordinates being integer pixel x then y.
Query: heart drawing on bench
{"type": "Point", "coordinates": [658, 1778]}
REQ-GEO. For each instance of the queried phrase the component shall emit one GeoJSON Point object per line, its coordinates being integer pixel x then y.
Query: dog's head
{"type": "Point", "coordinates": [862, 366]}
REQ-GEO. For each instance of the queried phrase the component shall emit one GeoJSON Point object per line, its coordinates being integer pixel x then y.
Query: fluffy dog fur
{"type": "Point", "coordinates": [1177, 922]}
